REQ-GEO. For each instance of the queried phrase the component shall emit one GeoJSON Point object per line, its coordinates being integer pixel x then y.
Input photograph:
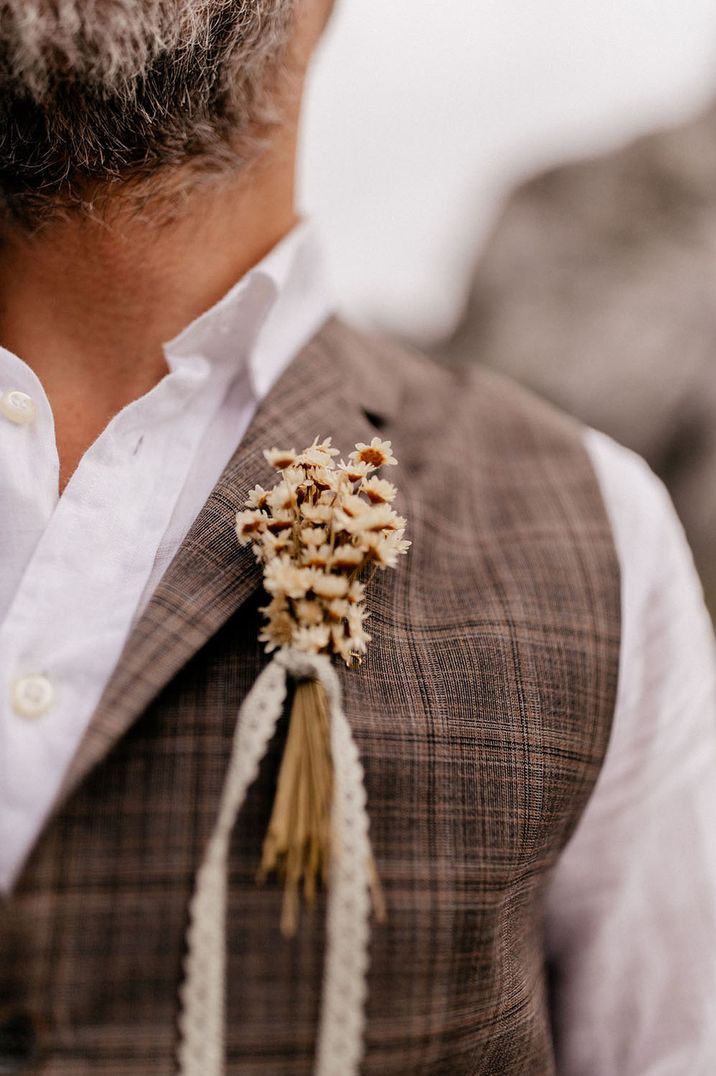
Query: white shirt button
{"type": "Point", "coordinates": [18, 407]}
{"type": "Point", "coordinates": [32, 695]}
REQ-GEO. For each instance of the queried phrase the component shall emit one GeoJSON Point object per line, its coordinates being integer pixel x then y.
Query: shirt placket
{"type": "Point", "coordinates": [66, 623]}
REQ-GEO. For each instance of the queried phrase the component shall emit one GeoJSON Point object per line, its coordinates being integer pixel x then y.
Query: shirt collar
{"type": "Point", "coordinates": [255, 324]}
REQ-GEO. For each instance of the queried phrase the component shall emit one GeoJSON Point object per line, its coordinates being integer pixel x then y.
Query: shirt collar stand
{"type": "Point", "coordinates": [226, 334]}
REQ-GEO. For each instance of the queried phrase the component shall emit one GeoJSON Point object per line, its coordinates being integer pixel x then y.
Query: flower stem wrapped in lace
{"type": "Point", "coordinates": [320, 533]}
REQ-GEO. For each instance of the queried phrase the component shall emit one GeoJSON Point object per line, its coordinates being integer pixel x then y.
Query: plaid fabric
{"type": "Point", "coordinates": [482, 715]}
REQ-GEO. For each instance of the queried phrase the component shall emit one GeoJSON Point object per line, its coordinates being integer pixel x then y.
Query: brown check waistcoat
{"type": "Point", "coordinates": [482, 716]}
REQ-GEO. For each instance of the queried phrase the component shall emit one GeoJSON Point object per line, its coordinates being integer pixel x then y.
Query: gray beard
{"type": "Point", "coordinates": [100, 96]}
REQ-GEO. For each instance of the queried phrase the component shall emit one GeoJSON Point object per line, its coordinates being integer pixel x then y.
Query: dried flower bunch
{"type": "Point", "coordinates": [319, 533]}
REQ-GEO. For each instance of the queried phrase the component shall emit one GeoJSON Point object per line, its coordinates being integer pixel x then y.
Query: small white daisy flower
{"type": "Point", "coordinates": [249, 525]}
{"type": "Point", "coordinates": [312, 640]}
{"type": "Point", "coordinates": [355, 470]}
{"type": "Point", "coordinates": [319, 454]}
{"type": "Point", "coordinates": [280, 497]}
{"type": "Point", "coordinates": [281, 576]}
{"type": "Point", "coordinates": [279, 458]}
{"type": "Point", "coordinates": [378, 453]}
{"type": "Point", "coordinates": [347, 557]}
{"type": "Point", "coordinates": [317, 513]}
{"type": "Point", "coordinates": [316, 556]}
{"type": "Point", "coordinates": [257, 497]}
{"type": "Point", "coordinates": [378, 490]}
{"type": "Point", "coordinates": [329, 586]}
{"type": "Point", "coordinates": [314, 536]}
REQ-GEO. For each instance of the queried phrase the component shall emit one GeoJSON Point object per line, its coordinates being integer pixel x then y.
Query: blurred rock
{"type": "Point", "coordinates": [598, 289]}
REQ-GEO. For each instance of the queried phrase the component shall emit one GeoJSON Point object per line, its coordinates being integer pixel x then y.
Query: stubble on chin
{"type": "Point", "coordinates": [103, 96]}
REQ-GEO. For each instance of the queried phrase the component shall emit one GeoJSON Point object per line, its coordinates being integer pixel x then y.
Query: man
{"type": "Point", "coordinates": [534, 717]}
{"type": "Point", "coordinates": [638, 224]}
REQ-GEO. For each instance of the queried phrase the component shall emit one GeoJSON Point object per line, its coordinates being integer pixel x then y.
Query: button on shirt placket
{"type": "Point", "coordinates": [32, 695]}
{"type": "Point", "coordinates": [18, 407]}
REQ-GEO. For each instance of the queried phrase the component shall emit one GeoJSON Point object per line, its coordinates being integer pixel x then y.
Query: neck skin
{"type": "Point", "coordinates": [87, 305]}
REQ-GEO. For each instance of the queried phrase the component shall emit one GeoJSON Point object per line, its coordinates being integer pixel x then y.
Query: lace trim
{"type": "Point", "coordinates": [202, 995]}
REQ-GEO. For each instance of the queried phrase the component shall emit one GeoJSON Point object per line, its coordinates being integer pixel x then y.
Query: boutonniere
{"type": "Point", "coordinates": [319, 533]}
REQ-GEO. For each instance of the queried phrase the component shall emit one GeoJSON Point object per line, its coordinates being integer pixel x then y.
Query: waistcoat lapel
{"type": "Point", "coordinates": [211, 575]}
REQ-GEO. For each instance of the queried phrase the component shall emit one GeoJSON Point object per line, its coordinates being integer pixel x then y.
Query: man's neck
{"type": "Point", "coordinates": [87, 305]}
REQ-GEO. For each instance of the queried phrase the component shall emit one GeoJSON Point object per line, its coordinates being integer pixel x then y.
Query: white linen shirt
{"type": "Point", "coordinates": [631, 910]}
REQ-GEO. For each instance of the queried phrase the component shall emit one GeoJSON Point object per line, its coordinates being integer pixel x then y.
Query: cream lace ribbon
{"type": "Point", "coordinates": [202, 1017]}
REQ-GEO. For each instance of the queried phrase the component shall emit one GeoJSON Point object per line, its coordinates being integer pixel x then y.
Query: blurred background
{"type": "Point", "coordinates": [533, 186]}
